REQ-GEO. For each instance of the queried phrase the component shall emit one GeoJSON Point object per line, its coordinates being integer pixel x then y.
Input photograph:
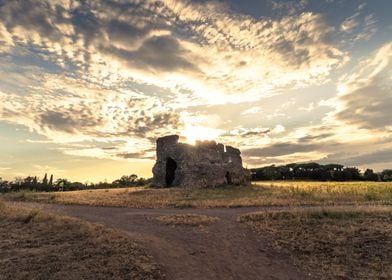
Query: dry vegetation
{"type": "Point", "coordinates": [278, 193]}
{"type": "Point", "coordinates": [187, 220]}
{"type": "Point", "coordinates": [331, 244]}
{"type": "Point", "coordinates": [35, 245]}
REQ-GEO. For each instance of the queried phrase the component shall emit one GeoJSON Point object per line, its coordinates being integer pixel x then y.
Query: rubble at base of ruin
{"type": "Point", "coordinates": [206, 164]}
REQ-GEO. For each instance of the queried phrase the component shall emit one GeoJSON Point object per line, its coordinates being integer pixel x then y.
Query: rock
{"type": "Point", "coordinates": [207, 164]}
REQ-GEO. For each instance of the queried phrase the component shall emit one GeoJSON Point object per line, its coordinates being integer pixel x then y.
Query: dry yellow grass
{"type": "Point", "coordinates": [35, 245]}
{"type": "Point", "coordinates": [361, 191]}
{"type": "Point", "coordinates": [331, 244]}
{"type": "Point", "coordinates": [187, 220]}
{"type": "Point", "coordinates": [260, 194]}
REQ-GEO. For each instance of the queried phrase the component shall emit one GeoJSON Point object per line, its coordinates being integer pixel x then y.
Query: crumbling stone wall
{"type": "Point", "coordinates": [203, 165]}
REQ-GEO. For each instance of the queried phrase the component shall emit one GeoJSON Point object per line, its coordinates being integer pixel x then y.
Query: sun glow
{"type": "Point", "coordinates": [194, 133]}
{"type": "Point", "coordinates": [342, 89]}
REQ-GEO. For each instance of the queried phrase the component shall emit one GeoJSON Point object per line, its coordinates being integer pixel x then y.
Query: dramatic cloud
{"type": "Point", "coordinates": [91, 114]}
{"type": "Point", "coordinates": [280, 149]}
{"type": "Point", "coordinates": [356, 132]}
{"type": "Point", "coordinates": [218, 56]}
{"type": "Point", "coordinates": [382, 156]}
{"type": "Point", "coordinates": [156, 53]}
{"type": "Point", "coordinates": [365, 99]}
{"type": "Point", "coordinates": [116, 116]}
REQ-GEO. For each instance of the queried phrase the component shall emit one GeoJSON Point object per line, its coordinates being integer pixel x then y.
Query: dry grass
{"type": "Point", "coordinates": [35, 245]}
{"type": "Point", "coordinates": [331, 244]}
{"type": "Point", "coordinates": [334, 191]}
{"type": "Point", "coordinates": [260, 194]}
{"type": "Point", "coordinates": [187, 220]}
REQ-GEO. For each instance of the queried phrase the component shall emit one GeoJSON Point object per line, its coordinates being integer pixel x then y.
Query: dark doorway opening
{"type": "Point", "coordinates": [171, 167]}
{"type": "Point", "coordinates": [228, 177]}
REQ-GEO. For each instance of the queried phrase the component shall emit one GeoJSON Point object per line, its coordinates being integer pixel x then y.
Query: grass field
{"type": "Point", "coordinates": [337, 242]}
{"type": "Point", "coordinates": [331, 244]}
{"type": "Point", "coordinates": [271, 193]}
{"type": "Point", "coordinates": [35, 245]}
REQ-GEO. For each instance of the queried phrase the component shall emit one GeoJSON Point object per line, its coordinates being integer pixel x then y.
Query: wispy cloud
{"type": "Point", "coordinates": [365, 95]}
{"type": "Point", "coordinates": [350, 23]}
{"type": "Point", "coordinates": [5, 168]}
{"type": "Point", "coordinates": [218, 56]}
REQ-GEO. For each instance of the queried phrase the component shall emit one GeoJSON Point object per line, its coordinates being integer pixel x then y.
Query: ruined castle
{"type": "Point", "coordinates": [206, 164]}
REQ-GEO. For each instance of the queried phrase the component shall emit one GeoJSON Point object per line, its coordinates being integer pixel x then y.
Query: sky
{"type": "Point", "coordinates": [86, 87]}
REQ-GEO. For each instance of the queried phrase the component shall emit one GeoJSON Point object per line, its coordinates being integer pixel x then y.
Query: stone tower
{"type": "Point", "coordinates": [203, 165]}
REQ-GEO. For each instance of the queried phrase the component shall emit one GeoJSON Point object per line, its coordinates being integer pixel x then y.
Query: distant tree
{"type": "Point", "coordinates": [28, 181]}
{"type": "Point", "coordinates": [74, 186]}
{"type": "Point", "coordinates": [285, 172]}
{"type": "Point", "coordinates": [308, 171]}
{"type": "Point", "coordinates": [321, 174]}
{"type": "Point", "coordinates": [4, 185]}
{"type": "Point", "coordinates": [351, 174]}
{"type": "Point", "coordinates": [369, 175]}
{"type": "Point", "coordinates": [51, 180]}
{"type": "Point", "coordinates": [62, 184]}
{"type": "Point", "coordinates": [126, 181]}
{"type": "Point", "coordinates": [335, 167]}
{"type": "Point", "coordinates": [18, 180]}
{"type": "Point", "coordinates": [45, 179]}
{"type": "Point", "coordinates": [386, 175]}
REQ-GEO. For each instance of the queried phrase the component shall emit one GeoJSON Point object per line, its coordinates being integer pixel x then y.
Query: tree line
{"type": "Point", "coordinates": [318, 172]}
{"type": "Point", "coordinates": [33, 183]}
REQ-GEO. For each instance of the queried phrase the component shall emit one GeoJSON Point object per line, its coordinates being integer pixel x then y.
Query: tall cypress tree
{"type": "Point", "coordinates": [51, 180]}
{"type": "Point", "coordinates": [45, 180]}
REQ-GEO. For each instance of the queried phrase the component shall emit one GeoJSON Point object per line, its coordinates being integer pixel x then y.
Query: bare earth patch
{"type": "Point", "coordinates": [224, 250]}
{"type": "Point", "coordinates": [35, 245]}
{"type": "Point", "coordinates": [187, 220]}
{"type": "Point", "coordinates": [330, 244]}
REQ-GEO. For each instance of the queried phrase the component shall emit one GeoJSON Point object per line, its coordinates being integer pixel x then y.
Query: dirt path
{"type": "Point", "coordinates": [223, 250]}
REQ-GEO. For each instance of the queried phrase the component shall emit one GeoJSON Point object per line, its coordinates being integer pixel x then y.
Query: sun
{"type": "Point", "coordinates": [194, 133]}
{"type": "Point", "coordinates": [342, 89]}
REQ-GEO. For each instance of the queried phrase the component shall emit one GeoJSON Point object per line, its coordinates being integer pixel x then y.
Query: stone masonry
{"type": "Point", "coordinates": [205, 164]}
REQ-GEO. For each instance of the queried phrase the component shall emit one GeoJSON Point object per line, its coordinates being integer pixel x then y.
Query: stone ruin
{"type": "Point", "coordinates": [205, 164]}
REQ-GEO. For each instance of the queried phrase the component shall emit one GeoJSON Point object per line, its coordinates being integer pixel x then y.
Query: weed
{"type": "Point", "coordinates": [30, 217]}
